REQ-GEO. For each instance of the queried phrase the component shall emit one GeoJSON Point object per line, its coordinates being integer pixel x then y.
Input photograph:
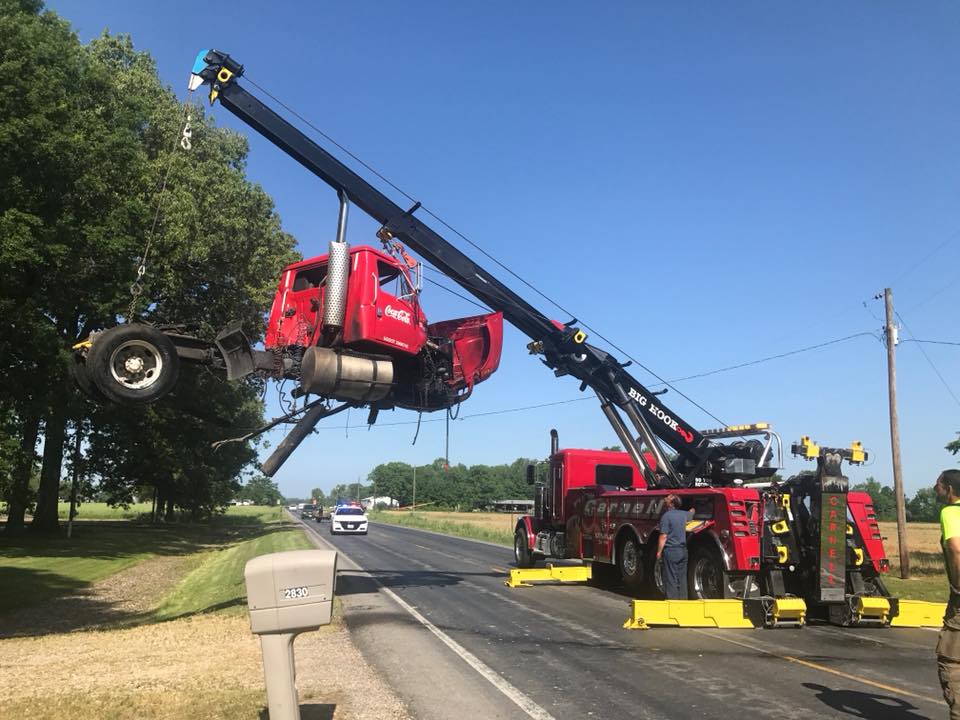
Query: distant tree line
{"type": "Point", "coordinates": [457, 487]}
{"type": "Point", "coordinates": [87, 138]}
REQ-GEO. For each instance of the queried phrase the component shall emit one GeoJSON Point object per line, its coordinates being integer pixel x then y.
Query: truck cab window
{"type": "Point", "coordinates": [620, 476]}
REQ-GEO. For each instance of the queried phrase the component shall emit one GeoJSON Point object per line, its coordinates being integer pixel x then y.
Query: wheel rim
{"type": "Point", "coordinates": [707, 579]}
{"type": "Point", "coordinates": [517, 550]}
{"type": "Point", "coordinates": [629, 558]}
{"type": "Point", "coordinates": [136, 364]}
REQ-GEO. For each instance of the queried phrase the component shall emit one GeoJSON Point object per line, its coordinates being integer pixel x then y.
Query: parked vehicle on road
{"type": "Point", "coordinates": [309, 512]}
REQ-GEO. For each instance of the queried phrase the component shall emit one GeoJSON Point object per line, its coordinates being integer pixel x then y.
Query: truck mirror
{"type": "Point", "coordinates": [287, 593]}
{"type": "Point", "coordinates": [531, 473]}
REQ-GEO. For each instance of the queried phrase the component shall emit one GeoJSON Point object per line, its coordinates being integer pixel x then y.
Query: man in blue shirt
{"type": "Point", "coordinates": [672, 548]}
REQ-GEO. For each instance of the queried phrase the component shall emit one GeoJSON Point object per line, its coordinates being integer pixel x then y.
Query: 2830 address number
{"type": "Point", "coordinates": [295, 592]}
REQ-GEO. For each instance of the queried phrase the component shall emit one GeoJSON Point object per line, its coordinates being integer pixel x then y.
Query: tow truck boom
{"type": "Point", "coordinates": [563, 347]}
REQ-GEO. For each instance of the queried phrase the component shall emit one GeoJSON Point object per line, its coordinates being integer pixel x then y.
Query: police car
{"type": "Point", "coordinates": [348, 518]}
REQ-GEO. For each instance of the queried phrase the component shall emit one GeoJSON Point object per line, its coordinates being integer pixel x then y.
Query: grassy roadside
{"type": "Point", "coordinates": [491, 527]}
{"type": "Point", "coordinates": [34, 569]}
{"type": "Point", "coordinates": [135, 511]}
{"type": "Point", "coordinates": [217, 583]}
{"type": "Point", "coordinates": [190, 652]}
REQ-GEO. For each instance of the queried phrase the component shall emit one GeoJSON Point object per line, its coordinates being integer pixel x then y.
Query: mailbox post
{"type": "Point", "coordinates": [287, 593]}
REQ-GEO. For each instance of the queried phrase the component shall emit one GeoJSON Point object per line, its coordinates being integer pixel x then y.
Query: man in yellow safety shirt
{"type": "Point", "coordinates": [948, 647]}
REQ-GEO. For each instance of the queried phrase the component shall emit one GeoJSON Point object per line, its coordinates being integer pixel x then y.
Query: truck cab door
{"type": "Point", "coordinates": [387, 312]}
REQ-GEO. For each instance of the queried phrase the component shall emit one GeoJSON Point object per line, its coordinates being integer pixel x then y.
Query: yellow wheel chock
{"type": "Point", "coordinates": [564, 573]}
{"type": "Point", "coordinates": [918, 613]}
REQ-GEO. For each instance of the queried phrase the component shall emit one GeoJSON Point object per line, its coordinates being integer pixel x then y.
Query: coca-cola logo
{"type": "Point", "coordinates": [401, 315]}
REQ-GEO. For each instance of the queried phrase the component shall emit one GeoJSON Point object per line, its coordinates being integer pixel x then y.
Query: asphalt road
{"type": "Point", "coordinates": [433, 615]}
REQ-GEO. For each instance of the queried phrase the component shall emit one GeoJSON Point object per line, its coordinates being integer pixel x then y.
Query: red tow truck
{"type": "Point", "coordinates": [348, 327]}
{"type": "Point", "coordinates": [745, 540]}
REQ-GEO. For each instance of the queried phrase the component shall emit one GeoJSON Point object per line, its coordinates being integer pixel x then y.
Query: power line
{"type": "Point", "coordinates": [931, 342]}
{"type": "Point", "coordinates": [675, 380]}
{"type": "Point", "coordinates": [934, 367]}
{"type": "Point", "coordinates": [777, 357]}
{"type": "Point", "coordinates": [934, 294]}
{"type": "Point", "coordinates": [483, 414]}
{"type": "Point", "coordinates": [950, 238]}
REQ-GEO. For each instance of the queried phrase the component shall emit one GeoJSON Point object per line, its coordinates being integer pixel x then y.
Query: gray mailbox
{"type": "Point", "coordinates": [287, 593]}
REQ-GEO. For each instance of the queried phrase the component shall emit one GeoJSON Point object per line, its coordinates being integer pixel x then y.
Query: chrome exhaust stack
{"type": "Point", "coordinates": [338, 272]}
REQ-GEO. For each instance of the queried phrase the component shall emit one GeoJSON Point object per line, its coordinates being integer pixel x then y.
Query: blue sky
{"type": "Point", "coordinates": [704, 184]}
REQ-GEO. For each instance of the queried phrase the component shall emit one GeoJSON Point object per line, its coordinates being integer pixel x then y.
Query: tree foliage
{"type": "Point", "coordinates": [883, 497]}
{"type": "Point", "coordinates": [261, 490]}
{"type": "Point", "coordinates": [87, 140]}
{"type": "Point", "coordinates": [458, 486]}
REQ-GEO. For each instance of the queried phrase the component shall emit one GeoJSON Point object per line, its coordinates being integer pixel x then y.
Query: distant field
{"type": "Point", "coordinates": [492, 527]}
{"type": "Point", "coordinates": [102, 511]}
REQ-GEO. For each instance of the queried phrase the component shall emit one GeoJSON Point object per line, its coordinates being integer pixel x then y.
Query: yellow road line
{"type": "Point", "coordinates": [824, 668]}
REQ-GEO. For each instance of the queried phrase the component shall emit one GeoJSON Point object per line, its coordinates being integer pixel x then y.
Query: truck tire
{"type": "Point", "coordinates": [630, 563]}
{"type": "Point", "coordinates": [705, 574]}
{"type": "Point", "coordinates": [81, 378]}
{"type": "Point", "coordinates": [133, 364]}
{"type": "Point", "coordinates": [521, 550]}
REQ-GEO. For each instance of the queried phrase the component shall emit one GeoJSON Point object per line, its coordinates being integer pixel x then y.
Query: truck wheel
{"type": "Point", "coordinates": [133, 364]}
{"type": "Point", "coordinates": [630, 563]}
{"type": "Point", "coordinates": [521, 550]}
{"type": "Point", "coordinates": [705, 575]}
{"type": "Point", "coordinates": [81, 378]}
{"type": "Point", "coordinates": [655, 587]}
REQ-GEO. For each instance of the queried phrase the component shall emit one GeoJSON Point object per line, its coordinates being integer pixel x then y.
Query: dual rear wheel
{"type": "Point", "coordinates": [129, 365]}
{"type": "Point", "coordinates": [641, 573]}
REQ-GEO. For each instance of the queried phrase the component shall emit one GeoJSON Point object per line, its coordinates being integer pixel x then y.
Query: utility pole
{"type": "Point", "coordinates": [891, 336]}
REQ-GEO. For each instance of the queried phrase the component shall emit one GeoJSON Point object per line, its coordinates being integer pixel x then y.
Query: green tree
{"type": "Point", "coordinates": [884, 500]}
{"type": "Point", "coordinates": [954, 445]}
{"type": "Point", "coordinates": [86, 138]}
{"type": "Point", "coordinates": [262, 490]}
{"type": "Point", "coordinates": [923, 506]}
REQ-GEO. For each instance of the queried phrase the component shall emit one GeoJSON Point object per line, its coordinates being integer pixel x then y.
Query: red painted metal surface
{"type": "Point", "coordinates": [865, 518]}
{"type": "Point", "coordinates": [477, 343]}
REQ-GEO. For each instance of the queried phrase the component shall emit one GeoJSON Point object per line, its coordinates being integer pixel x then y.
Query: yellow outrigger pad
{"type": "Point", "coordinates": [871, 610]}
{"type": "Point", "coordinates": [687, 613]}
{"type": "Point", "coordinates": [564, 573]}
{"type": "Point", "coordinates": [919, 613]}
{"type": "Point", "coordinates": [788, 611]}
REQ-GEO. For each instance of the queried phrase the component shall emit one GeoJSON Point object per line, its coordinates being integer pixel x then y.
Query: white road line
{"type": "Point", "coordinates": [516, 696]}
{"type": "Point", "coordinates": [521, 700]}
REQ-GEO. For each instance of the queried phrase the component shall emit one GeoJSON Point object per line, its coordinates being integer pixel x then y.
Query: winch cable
{"type": "Point", "coordinates": [478, 248]}
{"type": "Point", "coordinates": [183, 140]}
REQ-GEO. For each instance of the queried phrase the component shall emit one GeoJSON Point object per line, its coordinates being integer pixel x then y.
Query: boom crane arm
{"type": "Point", "coordinates": [563, 347]}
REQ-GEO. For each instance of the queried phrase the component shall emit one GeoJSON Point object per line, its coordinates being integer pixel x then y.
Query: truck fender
{"type": "Point", "coordinates": [705, 535]}
{"type": "Point", "coordinates": [525, 524]}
